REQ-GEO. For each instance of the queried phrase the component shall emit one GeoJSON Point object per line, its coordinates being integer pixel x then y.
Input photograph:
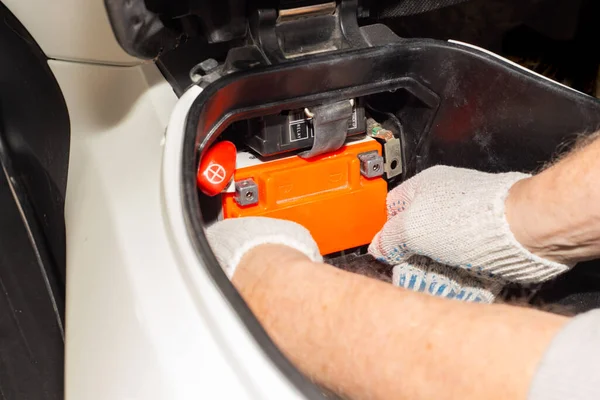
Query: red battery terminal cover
{"type": "Point", "coordinates": [326, 194]}
{"type": "Point", "coordinates": [216, 168]}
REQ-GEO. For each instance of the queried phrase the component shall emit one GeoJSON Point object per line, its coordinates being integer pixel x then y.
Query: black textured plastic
{"type": "Point", "coordinates": [412, 7]}
{"type": "Point", "coordinates": [34, 156]}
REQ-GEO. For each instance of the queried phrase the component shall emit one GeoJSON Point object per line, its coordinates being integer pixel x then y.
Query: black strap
{"type": "Point", "coordinates": [330, 125]}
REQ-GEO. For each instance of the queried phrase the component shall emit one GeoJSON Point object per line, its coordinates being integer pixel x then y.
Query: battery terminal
{"type": "Point", "coordinates": [246, 192]}
{"type": "Point", "coordinates": [371, 164]}
{"type": "Point", "coordinates": [392, 150]}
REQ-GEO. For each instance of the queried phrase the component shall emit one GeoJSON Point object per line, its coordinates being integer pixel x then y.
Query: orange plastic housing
{"type": "Point", "coordinates": [326, 194]}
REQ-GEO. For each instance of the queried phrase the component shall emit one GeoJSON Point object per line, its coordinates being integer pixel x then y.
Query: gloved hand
{"type": "Point", "coordinates": [456, 217]}
{"type": "Point", "coordinates": [230, 239]}
{"type": "Point", "coordinates": [422, 274]}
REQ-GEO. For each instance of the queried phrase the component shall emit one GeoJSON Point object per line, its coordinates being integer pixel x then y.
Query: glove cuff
{"type": "Point", "coordinates": [232, 238]}
{"type": "Point", "coordinates": [495, 252]}
{"type": "Point", "coordinates": [509, 260]}
{"type": "Point", "coordinates": [231, 264]}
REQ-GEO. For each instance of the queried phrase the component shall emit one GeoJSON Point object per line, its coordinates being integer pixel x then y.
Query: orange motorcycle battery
{"type": "Point", "coordinates": [340, 197]}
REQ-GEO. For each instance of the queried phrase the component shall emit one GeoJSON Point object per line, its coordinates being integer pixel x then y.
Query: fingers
{"type": "Point", "coordinates": [400, 198]}
{"type": "Point", "coordinates": [391, 244]}
{"type": "Point", "coordinates": [422, 274]}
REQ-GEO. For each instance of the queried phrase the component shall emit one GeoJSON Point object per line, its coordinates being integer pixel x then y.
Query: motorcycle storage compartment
{"type": "Point", "coordinates": [457, 105]}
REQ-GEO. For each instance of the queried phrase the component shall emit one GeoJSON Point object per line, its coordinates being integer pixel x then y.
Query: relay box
{"type": "Point", "coordinates": [293, 130]}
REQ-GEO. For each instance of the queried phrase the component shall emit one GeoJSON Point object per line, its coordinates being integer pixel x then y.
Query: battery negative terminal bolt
{"type": "Point", "coordinates": [371, 164]}
{"type": "Point", "coordinates": [246, 192]}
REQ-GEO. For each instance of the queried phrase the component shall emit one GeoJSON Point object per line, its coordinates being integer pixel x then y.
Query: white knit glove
{"type": "Point", "coordinates": [422, 274]}
{"type": "Point", "coordinates": [230, 239]}
{"type": "Point", "coordinates": [456, 217]}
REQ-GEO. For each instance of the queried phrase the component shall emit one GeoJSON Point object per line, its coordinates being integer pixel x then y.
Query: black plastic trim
{"type": "Point", "coordinates": [139, 31]}
{"type": "Point", "coordinates": [34, 156]}
{"type": "Point", "coordinates": [36, 128]}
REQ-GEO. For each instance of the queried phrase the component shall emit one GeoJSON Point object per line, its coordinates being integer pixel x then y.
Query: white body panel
{"type": "Point", "coordinates": [71, 30]}
{"type": "Point", "coordinates": [144, 320]}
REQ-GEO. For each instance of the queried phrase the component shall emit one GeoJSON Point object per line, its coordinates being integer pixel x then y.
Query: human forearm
{"type": "Point", "coordinates": [368, 339]}
{"type": "Point", "coordinates": [556, 214]}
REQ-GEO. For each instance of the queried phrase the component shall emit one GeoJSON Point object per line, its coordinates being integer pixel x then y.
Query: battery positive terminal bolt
{"type": "Point", "coordinates": [371, 164]}
{"type": "Point", "coordinates": [246, 192]}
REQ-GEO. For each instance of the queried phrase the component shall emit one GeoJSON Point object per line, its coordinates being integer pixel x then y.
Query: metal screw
{"type": "Point", "coordinates": [249, 196]}
{"type": "Point", "coordinates": [376, 167]}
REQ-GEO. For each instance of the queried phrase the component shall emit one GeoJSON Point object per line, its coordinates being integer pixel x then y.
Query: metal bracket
{"type": "Point", "coordinates": [392, 151]}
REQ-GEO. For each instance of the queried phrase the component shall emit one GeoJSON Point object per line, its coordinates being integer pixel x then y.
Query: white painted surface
{"type": "Point", "coordinates": [136, 327]}
{"type": "Point", "coordinates": [71, 30]}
